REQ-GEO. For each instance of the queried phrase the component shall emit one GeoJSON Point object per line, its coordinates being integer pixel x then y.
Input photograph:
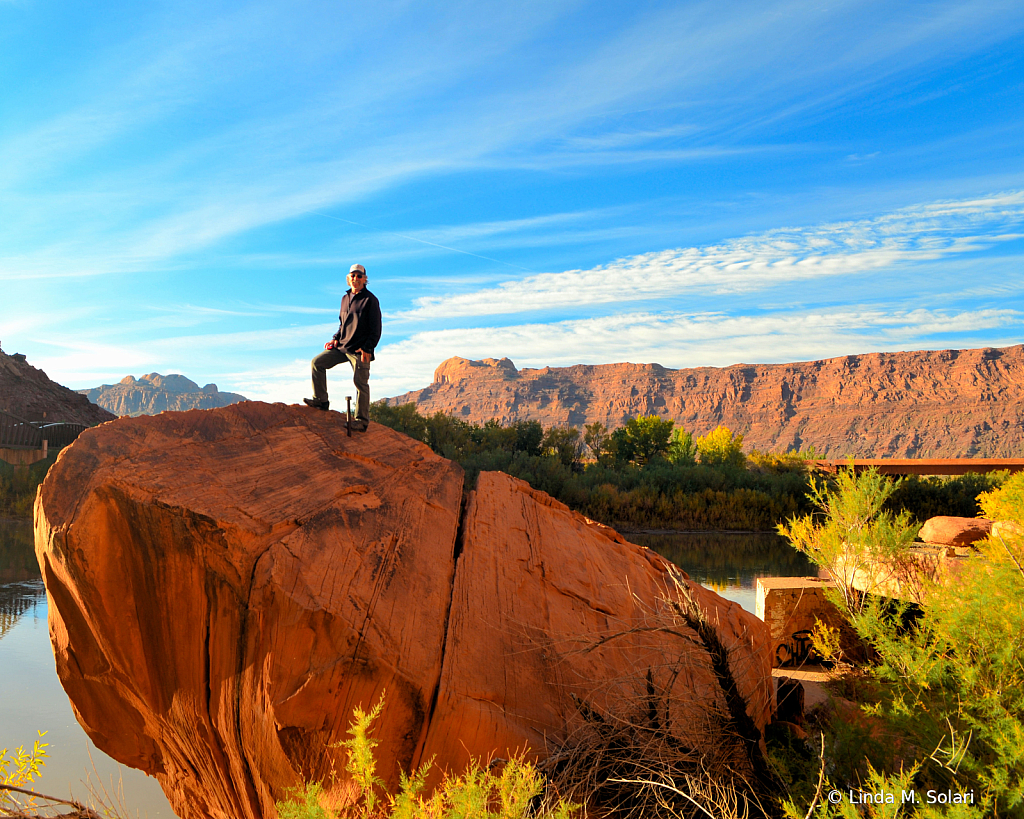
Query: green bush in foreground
{"type": "Point", "coordinates": [942, 710]}
{"type": "Point", "coordinates": [855, 535]}
{"type": "Point", "coordinates": [478, 793]}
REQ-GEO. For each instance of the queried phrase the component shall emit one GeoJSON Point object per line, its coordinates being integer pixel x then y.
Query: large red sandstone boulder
{"type": "Point", "coordinates": [951, 531]}
{"type": "Point", "coordinates": [225, 586]}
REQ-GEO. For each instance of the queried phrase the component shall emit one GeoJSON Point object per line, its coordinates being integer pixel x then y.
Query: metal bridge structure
{"type": "Point", "coordinates": [922, 466]}
{"type": "Point", "coordinates": [22, 438]}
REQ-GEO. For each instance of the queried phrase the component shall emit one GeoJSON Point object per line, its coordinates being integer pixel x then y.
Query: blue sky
{"type": "Point", "coordinates": [184, 185]}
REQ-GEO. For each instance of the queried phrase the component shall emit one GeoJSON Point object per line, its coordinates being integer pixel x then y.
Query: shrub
{"type": "Point", "coordinates": [515, 792]}
{"type": "Point", "coordinates": [781, 461]}
{"type": "Point", "coordinates": [854, 536]}
{"type": "Point", "coordinates": [403, 418]}
{"type": "Point", "coordinates": [651, 465]}
{"type": "Point", "coordinates": [930, 496]}
{"type": "Point", "coordinates": [18, 486]}
{"type": "Point", "coordinates": [19, 770]}
{"type": "Point", "coordinates": [949, 691]}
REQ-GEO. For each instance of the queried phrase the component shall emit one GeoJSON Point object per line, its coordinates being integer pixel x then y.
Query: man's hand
{"type": "Point", "coordinates": [330, 345]}
{"type": "Point", "coordinates": [364, 356]}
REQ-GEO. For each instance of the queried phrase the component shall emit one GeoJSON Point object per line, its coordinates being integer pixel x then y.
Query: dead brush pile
{"type": "Point", "coordinates": [632, 762]}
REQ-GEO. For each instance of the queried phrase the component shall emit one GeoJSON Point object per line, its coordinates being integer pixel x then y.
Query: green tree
{"type": "Point", "coordinates": [681, 448]}
{"type": "Point", "coordinates": [641, 439]}
{"type": "Point", "coordinates": [529, 435]}
{"type": "Point", "coordinates": [565, 444]}
{"type": "Point", "coordinates": [721, 447]}
{"type": "Point", "coordinates": [403, 418]}
{"type": "Point", "coordinates": [449, 437]}
{"type": "Point", "coordinates": [493, 437]}
{"type": "Point", "coordinates": [595, 436]}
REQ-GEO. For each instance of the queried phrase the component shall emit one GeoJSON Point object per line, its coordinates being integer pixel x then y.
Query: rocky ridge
{"type": "Point", "coordinates": [934, 404]}
{"type": "Point", "coordinates": [225, 586]}
{"type": "Point", "coordinates": [153, 393]}
{"type": "Point", "coordinates": [29, 393]}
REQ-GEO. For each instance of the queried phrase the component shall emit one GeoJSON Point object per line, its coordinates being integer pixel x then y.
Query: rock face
{"type": "Point", "coordinates": [938, 404]}
{"type": "Point", "coordinates": [30, 394]}
{"type": "Point", "coordinates": [946, 530]}
{"type": "Point", "coordinates": [226, 586]}
{"type": "Point", "coordinates": [155, 393]}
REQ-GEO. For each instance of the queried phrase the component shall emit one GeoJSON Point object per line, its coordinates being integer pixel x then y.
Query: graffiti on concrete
{"type": "Point", "coordinates": [798, 650]}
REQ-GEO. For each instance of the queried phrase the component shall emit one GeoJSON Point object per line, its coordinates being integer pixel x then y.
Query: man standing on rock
{"type": "Point", "coordinates": [354, 342]}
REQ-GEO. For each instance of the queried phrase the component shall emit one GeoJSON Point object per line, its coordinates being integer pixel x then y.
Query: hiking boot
{"type": "Point", "coordinates": [320, 405]}
{"type": "Point", "coordinates": [358, 425]}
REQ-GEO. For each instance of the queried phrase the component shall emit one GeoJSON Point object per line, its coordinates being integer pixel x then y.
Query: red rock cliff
{"type": "Point", "coordinates": [225, 586]}
{"type": "Point", "coordinates": [937, 404]}
{"type": "Point", "coordinates": [29, 393]}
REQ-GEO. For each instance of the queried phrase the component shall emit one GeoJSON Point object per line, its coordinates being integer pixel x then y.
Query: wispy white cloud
{"type": "Point", "coordinates": [923, 233]}
{"type": "Point", "coordinates": [308, 148]}
{"type": "Point", "coordinates": [621, 139]}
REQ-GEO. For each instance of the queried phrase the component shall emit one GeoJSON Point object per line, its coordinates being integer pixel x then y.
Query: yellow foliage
{"type": "Point", "coordinates": [19, 771]}
{"type": "Point", "coordinates": [1006, 505]}
{"type": "Point", "coordinates": [477, 793]}
{"type": "Point", "coordinates": [721, 447]}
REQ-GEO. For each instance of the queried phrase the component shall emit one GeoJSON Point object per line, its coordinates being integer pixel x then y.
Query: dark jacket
{"type": "Point", "coordinates": [359, 319]}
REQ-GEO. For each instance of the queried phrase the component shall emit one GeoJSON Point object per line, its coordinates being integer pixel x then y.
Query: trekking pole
{"type": "Point", "coordinates": [348, 415]}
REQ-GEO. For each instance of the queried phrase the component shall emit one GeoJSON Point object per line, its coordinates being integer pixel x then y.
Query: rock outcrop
{"type": "Point", "coordinates": [29, 393]}
{"type": "Point", "coordinates": [936, 404]}
{"type": "Point", "coordinates": [225, 586]}
{"type": "Point", "coordinates": [153, 393]}
{"type": "Point", "coordinates": [946, 530]}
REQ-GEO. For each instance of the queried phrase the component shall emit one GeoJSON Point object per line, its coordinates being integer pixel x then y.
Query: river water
{"type": "Point", "coordinates": [31, 697]}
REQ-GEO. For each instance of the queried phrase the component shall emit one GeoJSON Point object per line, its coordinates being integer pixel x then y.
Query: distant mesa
{"type": "Point", "coordinates": [154, 393]}
{"type": "Point", "coordinates": [456, 369]}
{"type": "Point", "coordinates": [28, 393]}
{"type": "Point", "coordinates": [925, 404]}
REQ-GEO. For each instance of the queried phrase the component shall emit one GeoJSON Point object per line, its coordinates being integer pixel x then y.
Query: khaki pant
{"type": "Point", "coordinates": [360, 377]}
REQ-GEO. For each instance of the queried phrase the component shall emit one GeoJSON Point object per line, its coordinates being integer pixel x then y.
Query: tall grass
{"type": "Point", "coordinates": [512, 790]}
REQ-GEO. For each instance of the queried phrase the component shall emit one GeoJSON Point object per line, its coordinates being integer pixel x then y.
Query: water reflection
{"type": "Point", "coordinates": [730, 562]}
{"type": "Point", "coordinates": [17, 553]}
{"type": "Point", "coordinates": [32, 699]}
{"type": "Point", "coordinates": [20, 583]}
{"type": "Point", "coordinates": [15, 600]}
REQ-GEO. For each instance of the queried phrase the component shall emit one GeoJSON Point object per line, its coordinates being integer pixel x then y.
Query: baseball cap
{"type": "Point", "coordinates": [357, 267]}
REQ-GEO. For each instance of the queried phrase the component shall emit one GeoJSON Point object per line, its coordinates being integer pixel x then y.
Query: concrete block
{"type": "Point", "coordinates": [789, 607]}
